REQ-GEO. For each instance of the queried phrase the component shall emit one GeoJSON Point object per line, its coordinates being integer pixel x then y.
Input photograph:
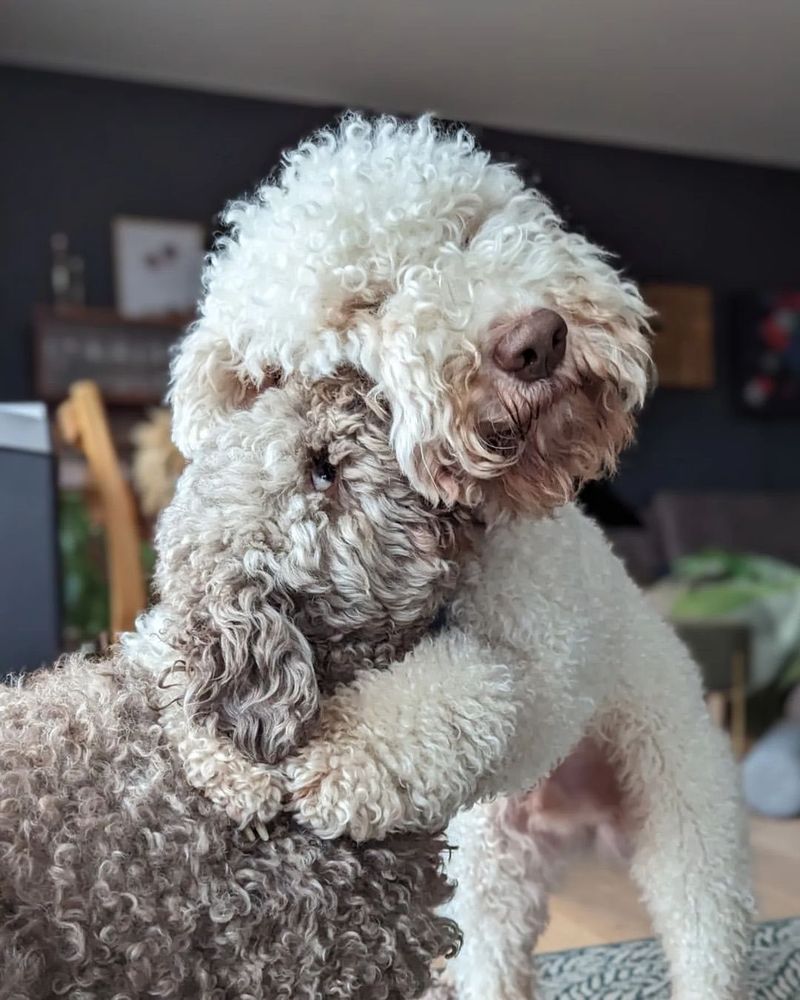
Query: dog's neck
{"type": "Point", "coordinates": [339, 662]}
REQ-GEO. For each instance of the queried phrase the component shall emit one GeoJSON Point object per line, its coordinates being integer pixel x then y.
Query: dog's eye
{"type": "Point", "coordinates": [323, 474]}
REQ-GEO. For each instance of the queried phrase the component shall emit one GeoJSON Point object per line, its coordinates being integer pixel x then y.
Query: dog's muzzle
{"type": "Point", "coordinates": [531, 347]}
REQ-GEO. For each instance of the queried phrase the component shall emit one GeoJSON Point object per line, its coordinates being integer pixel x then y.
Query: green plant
{"type": "Point", "coordinates": [83, 576]}
{"type": "Point", "coordinates": [722, 583]}
{"type": "Point", "coordinates": [83, 571]}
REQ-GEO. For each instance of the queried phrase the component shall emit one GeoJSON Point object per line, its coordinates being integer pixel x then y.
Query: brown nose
{"type": "Point", "coordinates": [532, 347]}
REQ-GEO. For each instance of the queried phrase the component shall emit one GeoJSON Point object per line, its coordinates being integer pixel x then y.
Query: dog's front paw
{"type": "Point", "coordinates": [338, 791]}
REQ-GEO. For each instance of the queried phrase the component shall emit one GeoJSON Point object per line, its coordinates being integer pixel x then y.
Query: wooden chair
{"type": "Point", "coordinates": [83, 423]}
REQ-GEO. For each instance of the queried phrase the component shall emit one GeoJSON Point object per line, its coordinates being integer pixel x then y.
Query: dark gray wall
{"type": "Point", "coordinates": [76, 151]}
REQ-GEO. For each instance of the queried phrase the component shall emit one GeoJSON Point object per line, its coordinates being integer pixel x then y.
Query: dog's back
{"type": "Point", "coordinates": [118, 878]}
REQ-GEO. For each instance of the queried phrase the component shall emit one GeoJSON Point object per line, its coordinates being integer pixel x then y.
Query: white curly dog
{"type": "Point", "coordinates": [514, 357]}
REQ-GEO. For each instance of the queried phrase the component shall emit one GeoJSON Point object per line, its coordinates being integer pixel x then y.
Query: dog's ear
{"type": "Point", "coordinates": [210, 380]}
{"type": "Point", "coordinates": [251, 671]}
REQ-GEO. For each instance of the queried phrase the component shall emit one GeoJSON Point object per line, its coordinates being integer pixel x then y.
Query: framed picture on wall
{"type": "Point", "coordinates": [766, 353]}
{"type": "Point", "coordinates": [683, 346]}
{"type": "Point", "coordinates": [157, 266]}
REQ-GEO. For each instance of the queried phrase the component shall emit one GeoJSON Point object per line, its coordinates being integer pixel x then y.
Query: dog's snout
{"type": "Point", "coordinates": [532, 347]}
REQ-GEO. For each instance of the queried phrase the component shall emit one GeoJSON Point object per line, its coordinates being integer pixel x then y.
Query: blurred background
{"type": "Point", "coordinates": [666, 132]}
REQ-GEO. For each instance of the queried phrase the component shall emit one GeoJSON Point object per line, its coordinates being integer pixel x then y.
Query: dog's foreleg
{"type": "Point", "coordinates": [504, 875]}
{"type": "Point", "coordinates": [681, 783]}
{"type": "Point", "coordinates": [405, 748]}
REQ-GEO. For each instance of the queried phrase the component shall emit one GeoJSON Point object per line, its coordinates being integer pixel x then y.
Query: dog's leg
{"type": "Point", "coordinates": [680, 780]}
{"type": "Point", "coordinates": [505, 875]}
{"type": "Point", "coordinates": [407, 747]}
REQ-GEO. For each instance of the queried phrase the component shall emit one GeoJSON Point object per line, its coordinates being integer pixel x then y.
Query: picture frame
{"type": "Point", "coordinates": [683, 327]}
{"type": "Point", "coordinates": [157, 265]}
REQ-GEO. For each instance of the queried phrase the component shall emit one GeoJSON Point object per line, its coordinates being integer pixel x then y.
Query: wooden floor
{"type": "Point", "coordinates": [599, 904]}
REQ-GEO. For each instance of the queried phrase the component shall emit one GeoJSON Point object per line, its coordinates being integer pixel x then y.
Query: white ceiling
{"type": "Point", "coordinates": [713, 77]}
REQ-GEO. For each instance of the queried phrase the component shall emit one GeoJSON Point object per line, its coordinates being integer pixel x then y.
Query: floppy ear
{"type": "Point", "coordinates": [250, 670]}
{"type": "Point", "coordinates": [209, 380]}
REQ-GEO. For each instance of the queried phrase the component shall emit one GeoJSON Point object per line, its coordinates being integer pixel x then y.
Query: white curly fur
{"type": "Point", "coordinates": [398, 250]}
{"type": "Point", "coordinates": [589, 657]}
{"type": "Point", "coordinates": [404, 250]}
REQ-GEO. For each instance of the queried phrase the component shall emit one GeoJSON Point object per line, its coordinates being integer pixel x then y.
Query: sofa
{"type": "Point", "coordinates": [678, 524]}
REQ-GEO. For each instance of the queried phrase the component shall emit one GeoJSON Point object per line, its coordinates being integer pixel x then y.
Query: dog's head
{"type": "Point", "coordinates": [295, 552]}
{"type": "Point", "coordinates": [512, 353]}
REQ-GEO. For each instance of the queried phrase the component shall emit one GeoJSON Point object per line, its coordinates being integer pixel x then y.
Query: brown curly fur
{"type": "Point", "coordinates": [117, 877]}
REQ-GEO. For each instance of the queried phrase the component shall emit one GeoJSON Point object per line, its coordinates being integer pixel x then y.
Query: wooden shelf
{"type": "Point", "coordinates": [128, 359]}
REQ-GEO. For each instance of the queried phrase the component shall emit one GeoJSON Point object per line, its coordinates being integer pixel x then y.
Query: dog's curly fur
{"type": "Point", "coordinates": [294, 555]}
{"type": "Point", "coordinates": [404, 250]}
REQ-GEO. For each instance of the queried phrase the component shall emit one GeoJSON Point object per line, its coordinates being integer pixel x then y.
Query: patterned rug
{"type": "Point", "coordinates": [636, 970]}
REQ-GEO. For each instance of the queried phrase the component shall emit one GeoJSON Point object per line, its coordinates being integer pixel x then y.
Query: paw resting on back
{"type": "Point", "coordinates": [343, 791]}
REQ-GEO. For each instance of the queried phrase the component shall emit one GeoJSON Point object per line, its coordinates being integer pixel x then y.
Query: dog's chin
{"type": "Point", "coordinates": [552, 440]}
{"type": "Point", "coordinates": [575, 436]}
{"type": "Point", "coordinates": [529, 451]}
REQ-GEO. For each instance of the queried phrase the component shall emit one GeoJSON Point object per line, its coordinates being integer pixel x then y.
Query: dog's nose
{"type": "Point", "coordinates": [533, 346]}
